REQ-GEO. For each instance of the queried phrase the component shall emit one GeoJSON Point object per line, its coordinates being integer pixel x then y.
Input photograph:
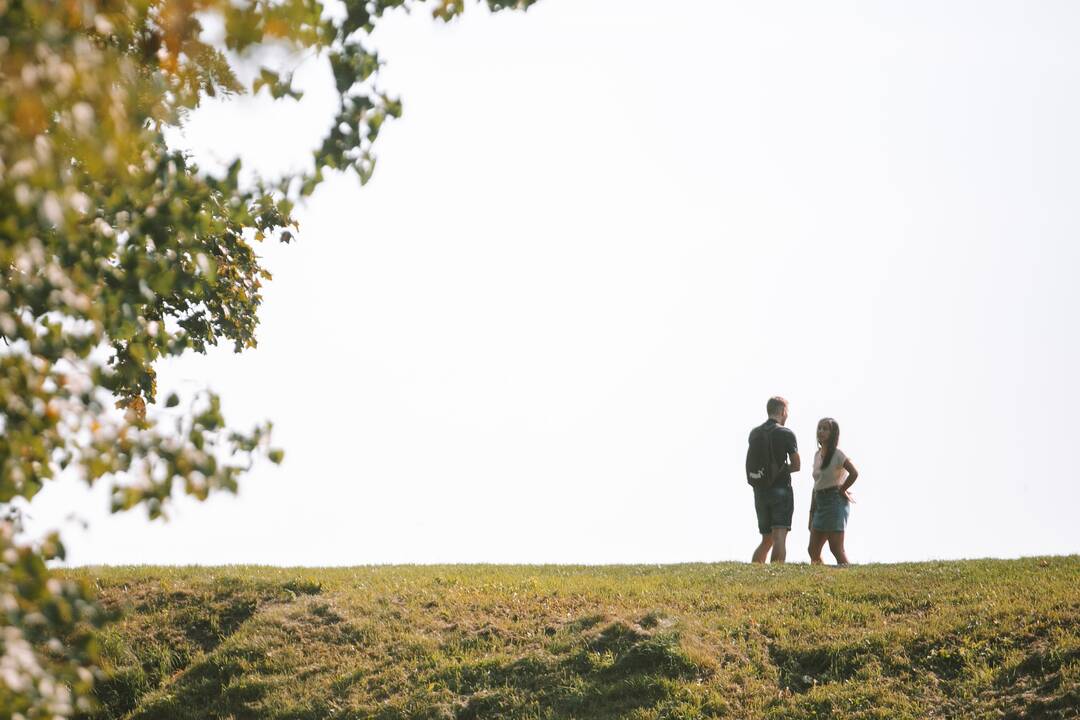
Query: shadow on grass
{"type": "Point", "coordinates": [1042, 685]}
{"type": "Point", "coordinates": [620, 668]}
{"type": "Point", "coordinates": [173, 630]}
{"type": "Point", "coordinates": [221, 686]}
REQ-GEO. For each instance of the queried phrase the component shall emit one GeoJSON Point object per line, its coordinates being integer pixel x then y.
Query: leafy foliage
{"type": "Point", "coordinates": [117, 251]}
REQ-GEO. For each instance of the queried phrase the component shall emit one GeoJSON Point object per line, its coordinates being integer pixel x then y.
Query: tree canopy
{"type": "Point", "coordinates": [116, 251]}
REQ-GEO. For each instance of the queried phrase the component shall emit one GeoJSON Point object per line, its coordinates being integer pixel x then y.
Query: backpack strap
{"type": "Point", "coordinates": [771, 460]}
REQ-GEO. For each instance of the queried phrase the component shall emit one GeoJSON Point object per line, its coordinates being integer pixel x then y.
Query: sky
{"type": "Point", "coordinates": [601, 236]}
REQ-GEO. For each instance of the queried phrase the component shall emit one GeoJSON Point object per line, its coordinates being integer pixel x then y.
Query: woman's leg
{"type": "Point", "coordinates": [817, 541]}
{"type": "Point", "coordinates": [836, 547]}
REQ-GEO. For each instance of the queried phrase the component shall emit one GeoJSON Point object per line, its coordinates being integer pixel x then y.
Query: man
{"type": "Point", "coordinates": [772, 456]}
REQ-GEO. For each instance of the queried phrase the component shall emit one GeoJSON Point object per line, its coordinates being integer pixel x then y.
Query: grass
{"type": "Point", "coordinates": [970, 639]}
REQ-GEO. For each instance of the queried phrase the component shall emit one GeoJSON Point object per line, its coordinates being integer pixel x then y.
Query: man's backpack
{"type": "Point", "coordinates": [761, 466]}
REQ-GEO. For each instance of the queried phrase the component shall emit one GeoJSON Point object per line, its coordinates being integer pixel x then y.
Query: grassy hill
{"type": "Point", "coordinates": [973, 639]}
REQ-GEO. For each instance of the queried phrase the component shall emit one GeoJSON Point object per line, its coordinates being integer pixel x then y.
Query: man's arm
{"type": "Point", "coordinates": [793, 463]}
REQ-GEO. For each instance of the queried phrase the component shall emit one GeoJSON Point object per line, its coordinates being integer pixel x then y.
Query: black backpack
{"type": "Point", "coordinates": [761, 466]}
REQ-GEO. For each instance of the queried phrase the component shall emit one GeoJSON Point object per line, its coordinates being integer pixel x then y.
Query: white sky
{"type": "Point", "coordinates": [603, 234]}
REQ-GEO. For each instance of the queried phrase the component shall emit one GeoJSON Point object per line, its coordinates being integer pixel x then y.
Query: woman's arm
{"type": "Point", "coordinates": [852, 476]}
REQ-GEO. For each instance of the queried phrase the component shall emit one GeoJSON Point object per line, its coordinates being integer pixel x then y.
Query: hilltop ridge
{"type": "Point", "coordinates": [965, 639]}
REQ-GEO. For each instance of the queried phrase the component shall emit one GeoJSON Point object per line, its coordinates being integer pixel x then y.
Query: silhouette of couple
{"type": "Point", "coordinates": [772, 455]}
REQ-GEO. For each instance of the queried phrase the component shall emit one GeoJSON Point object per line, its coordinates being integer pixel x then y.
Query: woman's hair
{"type": "Point", "coordinates": [833, 440]}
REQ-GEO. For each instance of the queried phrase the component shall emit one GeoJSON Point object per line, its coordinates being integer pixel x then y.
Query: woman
{"type": "Point", "coordinates": [833, 475]}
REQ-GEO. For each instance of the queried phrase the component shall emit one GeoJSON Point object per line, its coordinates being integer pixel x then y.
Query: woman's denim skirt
{"type": "Point", "coordinates": [830, 511]}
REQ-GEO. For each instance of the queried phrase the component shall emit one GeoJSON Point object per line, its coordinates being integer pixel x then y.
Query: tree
{"type": "Point", "coordinates": [117, 251]}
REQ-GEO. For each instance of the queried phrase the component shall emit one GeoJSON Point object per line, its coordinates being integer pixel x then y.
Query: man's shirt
{"type": "Point", "coordinates": [783, 445]}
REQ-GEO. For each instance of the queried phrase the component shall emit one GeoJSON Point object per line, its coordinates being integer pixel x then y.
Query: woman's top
{"type": "Point", "coordinates": [834, 474]}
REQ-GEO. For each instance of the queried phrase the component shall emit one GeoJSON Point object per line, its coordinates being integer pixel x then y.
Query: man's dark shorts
{"type": "Point", "coordinates": [775, 506]}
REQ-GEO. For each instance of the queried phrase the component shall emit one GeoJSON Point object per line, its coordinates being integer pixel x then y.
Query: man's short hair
{"type": "Point", "coordinates": [775, 405]}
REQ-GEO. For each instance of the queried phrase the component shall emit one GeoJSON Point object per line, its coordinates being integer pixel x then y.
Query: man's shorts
{"type": "Point", "coordinates": [774, 506]}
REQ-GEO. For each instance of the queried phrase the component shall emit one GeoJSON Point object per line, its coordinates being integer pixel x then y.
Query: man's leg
{"type": "Point", "coordinates": [836, 546]}
{"type": "Point", "coordinates": [764, 522]}
{"type": "Point", "coordinates": [779, 545]}
{"type": "Point", "coordinates": [782, 506]}
{"type": "Point", "coordinates": [762, 550]}
{"type": "Point", "coordinates": [817, 542]}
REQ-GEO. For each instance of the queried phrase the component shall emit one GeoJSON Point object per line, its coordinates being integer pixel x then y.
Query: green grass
{"type": "Point", "coordinates": [972, 639]}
